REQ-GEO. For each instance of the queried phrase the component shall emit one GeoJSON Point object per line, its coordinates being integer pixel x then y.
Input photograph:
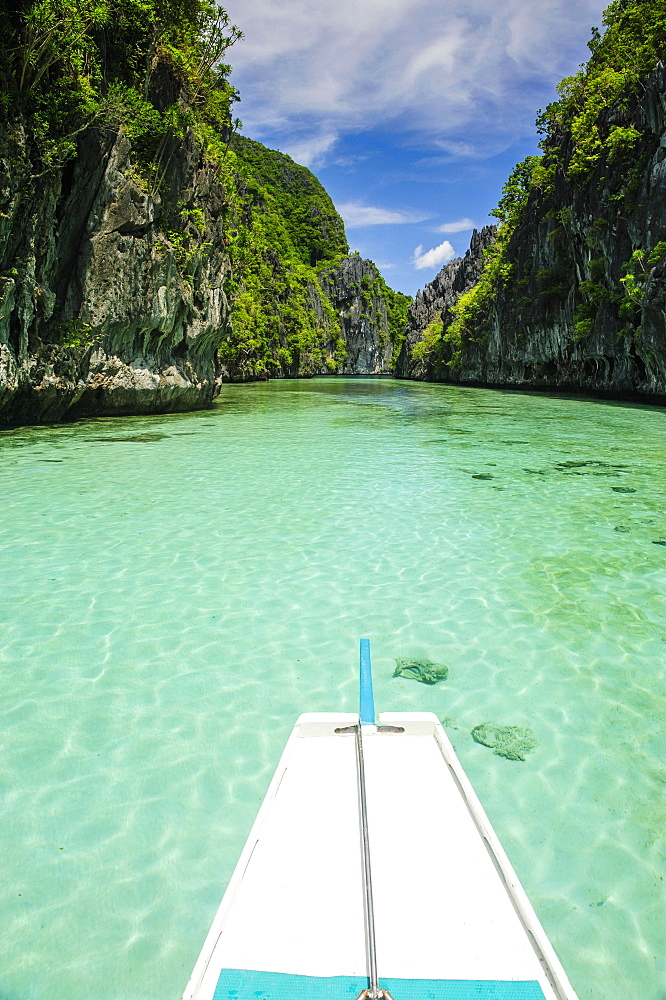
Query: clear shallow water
{"type": "Point", "coordinates": [176, 589]}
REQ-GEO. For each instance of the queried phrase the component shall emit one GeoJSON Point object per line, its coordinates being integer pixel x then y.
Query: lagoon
{"type": "Point", "coordinates": [176, 589]}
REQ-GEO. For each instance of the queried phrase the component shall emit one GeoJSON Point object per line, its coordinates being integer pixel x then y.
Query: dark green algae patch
{"type": "Point", "coordinates": [422, 670]}
{"type": "Point", "coordinates": [148, 436]}
{"type": "Point", "coordinates": [511, 742]}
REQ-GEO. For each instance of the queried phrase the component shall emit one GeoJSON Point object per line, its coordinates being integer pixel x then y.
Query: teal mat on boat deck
{"type": "Point", "coordinates": [244, 984]}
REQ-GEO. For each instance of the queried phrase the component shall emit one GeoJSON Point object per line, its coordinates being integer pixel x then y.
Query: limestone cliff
{"type": "Point", "coordinates": [111, 300]}
{"type": "Point", "coordinates": [433, 305]}
{"type": "Point", "coordinates": [118, 296]}
{"type": "Point", "coordinates": [572, 294]}
{"type": "Point", "coordinates": [148, 252]}
{"type": "Point", "coordinates": [371, 316]}
{"type": "Point", "coordinates": [114, 123]}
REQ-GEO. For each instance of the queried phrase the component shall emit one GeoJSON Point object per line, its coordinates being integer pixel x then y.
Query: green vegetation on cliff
{"type": "Point", "coordinates": [316, 231]}
{"type": "Point", "coordinates": [633, 42]}
{"type": "Point", "coordinates": [283, 229]}
{"type": "Point", "coordinates": [289, 265]}
{"type": "Point", "coordinates": [596, 144]}
{"type": "Point", "coordinates": [397, 304]}
{"type": "Point", "coordinates": [143, 84]}
{"type": "Point", "coordinates": [152, 67]}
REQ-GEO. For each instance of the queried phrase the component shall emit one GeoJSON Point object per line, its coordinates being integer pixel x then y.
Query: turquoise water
{"type": "Point", "coordinates": [176, 589]}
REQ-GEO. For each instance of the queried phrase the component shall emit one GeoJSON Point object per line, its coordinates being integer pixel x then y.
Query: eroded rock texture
{"type": "Point", "coordinates": [565, 319]}
{"type": "Point", "coordinates": [113, 277]}
{"type": "Point", "coordinates": [111, 294]}
{"type": "Point", "coordinates": [437, 299]}
{"type": "Point", "coordinates": [362, 313]}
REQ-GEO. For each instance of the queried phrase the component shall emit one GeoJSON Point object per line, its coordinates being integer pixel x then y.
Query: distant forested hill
{"type": "Point", "coordinates": [282, 229]}
{"type": "Point", "coordinates": [300, 305]}
{"type": "Point", "coordinates": [316, 230]}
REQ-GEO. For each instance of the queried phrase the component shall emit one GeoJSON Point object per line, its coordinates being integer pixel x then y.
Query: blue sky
{"type": "Point", "coordinates": [412, 113]}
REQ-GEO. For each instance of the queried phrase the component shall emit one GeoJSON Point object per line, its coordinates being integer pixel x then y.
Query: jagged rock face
{"type": "Point", "coordinates": [362, 316]}
{"type": "Point", "coordinates": [104, 309]}
{"type": "Point", "coordinates": [437, 298]}
{"type": "Point", "coordinates": [589, 234]}
{"type": "Point", "coordinates": [112, 295]}
{"type": "Point", "coordinates": [568, 257]}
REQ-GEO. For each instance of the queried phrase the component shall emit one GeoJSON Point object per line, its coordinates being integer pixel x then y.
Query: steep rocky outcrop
{"type": "Point", "coordinates": [111, 294]}
{"type": "Point", "coordinates": [362, 305]}
{"type": "Point", "coordinates": [119, 295]}
{"type": "Point", "coordinates": [316, 232]}
{"type": "Point", "coordinates": [436, 300]}
{"type": "Point", "coordinates": [149, 252]}
{"type": "Point", "coordinates": [566, 319]}
{"type": "Point", "coordinates": [581, 304]}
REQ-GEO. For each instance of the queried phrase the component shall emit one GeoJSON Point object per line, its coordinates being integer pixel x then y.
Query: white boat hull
{"type": "Point", "coordinates": [451, 918]}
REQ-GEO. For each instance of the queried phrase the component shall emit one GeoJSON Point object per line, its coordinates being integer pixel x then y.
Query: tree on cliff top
{"type": "Point", "coordinates": [317, 232]}
{"type": "Point", "coordinates": [633, 42]}
{"type": "Point", "coordinates": [68, 63]}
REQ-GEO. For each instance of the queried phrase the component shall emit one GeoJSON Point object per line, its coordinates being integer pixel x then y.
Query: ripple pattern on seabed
{"type": "Point", "coordinates": [181, 587]}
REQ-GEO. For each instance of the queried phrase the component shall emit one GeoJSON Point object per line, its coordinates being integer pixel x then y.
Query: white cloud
{"type": "Point", "coordinates": [458, 71]}
{"type": "Point", "coordinates": [349, 160]}
{"type": "Point", "coordinates": [356, 215]}
{"type": "Point", "coordinates": [436, 257]}
{"type": "Point", "coordinates": [461, 226]}
{"type": "Point", "coordinates": [459, 150]}
{"type": "Point", "coordinates": [311, 152]}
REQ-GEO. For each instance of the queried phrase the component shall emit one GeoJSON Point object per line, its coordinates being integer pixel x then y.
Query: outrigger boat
{"type": "Point", "coordinates": [373, 872]}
